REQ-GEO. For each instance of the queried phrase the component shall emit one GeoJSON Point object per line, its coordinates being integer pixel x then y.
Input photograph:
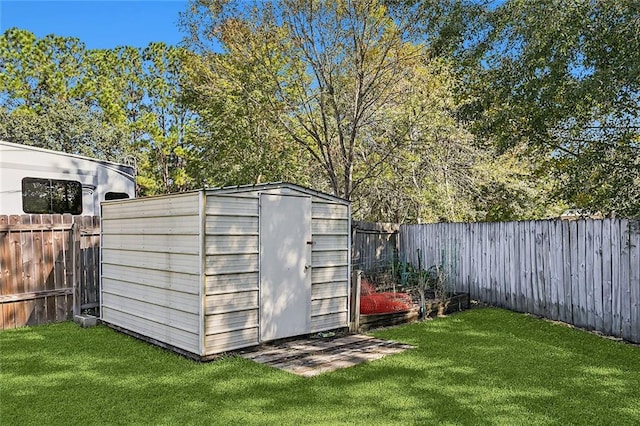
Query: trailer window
{"type": "Point", "coordinates": [51, 196]}
{"type": "Point", "coordinates": [116, 196]}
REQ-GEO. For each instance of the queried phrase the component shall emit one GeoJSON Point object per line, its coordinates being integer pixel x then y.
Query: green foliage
{"type": "Point", "coordinates": [42, 97]}
{"type": "Point", "coordinates": [562, 79]}
{"type": "Point", "coordinates": [326, 78]}
{"type": "Point", "coordinates": [76, 129]}
{"type": "Point", "coordinates": [236, 138]}
{"type": "Point", "coordinates": [111, 104]}
{"type": "Point", "coordinates": [471, 367]}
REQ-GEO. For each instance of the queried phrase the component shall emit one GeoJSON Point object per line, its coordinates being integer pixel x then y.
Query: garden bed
{"type": "Point", "coordinates": [434, 307]}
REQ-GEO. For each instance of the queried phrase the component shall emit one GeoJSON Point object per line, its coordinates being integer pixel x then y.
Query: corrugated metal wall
{"type": "Point", "coordinates": [232, 286]}
{"type": "Point", "coordinates": [151, 268]}
{"type": "Point", "coordinates": [330, 265]}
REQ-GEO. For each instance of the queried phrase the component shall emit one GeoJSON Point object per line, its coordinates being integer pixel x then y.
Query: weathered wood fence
{"type": "Point", "coordinates": [48, 268]}
{"type": "Point", "coordinates": [584, 272]}
{"type": "Point", "coordinates": [373, 245]}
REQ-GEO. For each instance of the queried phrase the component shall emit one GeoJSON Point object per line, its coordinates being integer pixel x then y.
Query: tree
{"type": "Point", "coordinates": [139, 90]}
{"type": "Point", "coordinates": [433, 176]}
{"type": "Point", "coordinates": [562, 79]}
{"type": "Point", "coordinates": [63, 127]}
{"type": "Point", "coordinates": [235, 137]}
{"type": "Point", "coordinates": [328, 72]}
{"type": "Point", "coordinates": [352, 85]}
{"type": "Point", "coordinates": [43, 101]}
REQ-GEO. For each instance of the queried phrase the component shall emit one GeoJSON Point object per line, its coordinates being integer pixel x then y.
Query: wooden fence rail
{"type": "Point", "coordinates": [584, 272]}
{"type": "Point", "coordinates": [373, 245]}
{"type": "Point", "coordinates": [48, 268]}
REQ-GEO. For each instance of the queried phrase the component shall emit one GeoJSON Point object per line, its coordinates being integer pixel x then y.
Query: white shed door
{"type": "Point", "coordinates": [285, 266]}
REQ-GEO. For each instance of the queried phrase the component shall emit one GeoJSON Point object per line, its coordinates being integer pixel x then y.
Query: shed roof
{"type": "Point", "coordinates": [276, 185]}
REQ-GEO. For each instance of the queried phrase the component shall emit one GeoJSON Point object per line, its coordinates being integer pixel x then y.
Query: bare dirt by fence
{"type": "Point", "coordinates": [43, 260]}
{"type": "Point", "coordinates": [584, 272]}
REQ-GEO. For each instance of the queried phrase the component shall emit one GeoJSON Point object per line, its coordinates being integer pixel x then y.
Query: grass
{"type": "Point", "coordinates": [484, 366]}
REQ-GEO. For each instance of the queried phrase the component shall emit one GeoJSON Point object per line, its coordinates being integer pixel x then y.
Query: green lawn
{"type": "Point", "coordinates": [484, 366]}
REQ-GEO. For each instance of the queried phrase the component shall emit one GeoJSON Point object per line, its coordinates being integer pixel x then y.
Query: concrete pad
{"type": "Point", "coordinates": [309, 357]}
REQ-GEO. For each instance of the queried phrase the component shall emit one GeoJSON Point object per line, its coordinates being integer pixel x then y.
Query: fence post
{"type": "Point", "coordinates": [356, 281]}
{"type": "Point", "coordinates": [76, 262]}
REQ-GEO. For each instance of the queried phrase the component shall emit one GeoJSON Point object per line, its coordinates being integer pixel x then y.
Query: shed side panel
{"type": "Point", "coordinates": [330, 263]}
{"type": "Point", "coordinates": [150, 268]}
{"type": "Point", "coordinates": [231, 269]}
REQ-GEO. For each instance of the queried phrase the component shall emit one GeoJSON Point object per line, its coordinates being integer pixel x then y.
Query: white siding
{"type": "Point", "coordinates": [152, 243]}
{"type": "Point", "coordinates": [157, 330]}
{"type": "Point", "coordinates": [330, 261]}
{"type": "Point", "coordinates": [231, 302]}
{"type": "Point", "coordinates": [180, 319]}
{"type": "Point", "coordinates": [151, 268]}
{"type": "Point", "coordinates": [232, 244]}
{"type": "Point", "coordinates": [97, 177]}
{"type": "Point", "coordinates": [185, 283]}
{"type": "Point", "coordinates": [231, 283]}
{"type": "Point", "coordinates": [222, 342]}
{"type": "Point", "coordinates": [156, 259]}
{"type": "Point", "coordinates": [231, 269]}
{"type": "Point", "coordinates": [327, 322]}
{"type": "Point", "coordinates": [233, 321]}
{"type": "Point", "coordinates": [234, 263]}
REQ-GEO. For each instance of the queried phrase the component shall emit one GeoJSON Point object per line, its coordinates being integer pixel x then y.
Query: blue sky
{"type": "Point", "coordinates": [99, 24]}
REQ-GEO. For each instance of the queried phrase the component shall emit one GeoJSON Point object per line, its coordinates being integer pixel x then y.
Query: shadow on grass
{"type": "Point", "coordinates": [484, 366]}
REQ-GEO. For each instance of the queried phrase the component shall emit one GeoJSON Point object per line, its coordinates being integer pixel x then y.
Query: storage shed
{"type": "Point", "coordinates": [214, 270]}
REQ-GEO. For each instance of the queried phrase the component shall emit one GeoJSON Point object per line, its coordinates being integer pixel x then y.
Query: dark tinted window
{"type": "Point", "coordinates": [116, 196]}
{"type": "Point", "coordinates": [48, 196]}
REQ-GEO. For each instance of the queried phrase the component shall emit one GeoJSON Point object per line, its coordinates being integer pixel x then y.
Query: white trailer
{"type": "Point", "coordinates": [42, 181]}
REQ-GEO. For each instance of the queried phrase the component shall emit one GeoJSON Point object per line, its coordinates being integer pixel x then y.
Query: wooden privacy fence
{"type": "Point", "coordinates": [373, 245]}
{"type": "Point", "coordinates": [584, 272]}
{"type": "Point", "coordinates": [48, 268]}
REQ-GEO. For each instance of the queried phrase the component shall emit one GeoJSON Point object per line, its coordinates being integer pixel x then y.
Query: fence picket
{"type": "Point", "coordinates": [580, 318]}
{"type": "Point", "coordinates": [494, 286]}
{"type": "Point", "coordinates": [634, 279]}
{"type": "Point", "coordinates": [500, 254]}
{"type": "Point", "coordinates": [625, 285]}
{"type": "Point", "coordinates": [597, 282]}
{"type": "Point", "coordinates": [607, 313]}
{"type": "Point", "coordinates": [17, 286]}
{"type": "Point", "coordinates": [555, 270]}
{"type": "Point", "coordinates": [538, 268]}
{"type": "Point", "coordinates": [589, 260]}
{"type": "Point", "coordinates": [39, 314]}
{"type": "Point", "coordinates": [512, 265]}
{"type": "Point", "coordinates": [567, 271]}
{"type": "Point", "coordinates": [474, 256]}
{"type": "Point", "coordinates": [549, 298]}
{"type": "Point", "coordinates": [5, 274]}
{"type": "Point", "coordinates": [616, 287]}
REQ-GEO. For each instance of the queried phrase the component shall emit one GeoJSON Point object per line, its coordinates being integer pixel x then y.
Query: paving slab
{"type": "Point", "coordinates": [309, 357]}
